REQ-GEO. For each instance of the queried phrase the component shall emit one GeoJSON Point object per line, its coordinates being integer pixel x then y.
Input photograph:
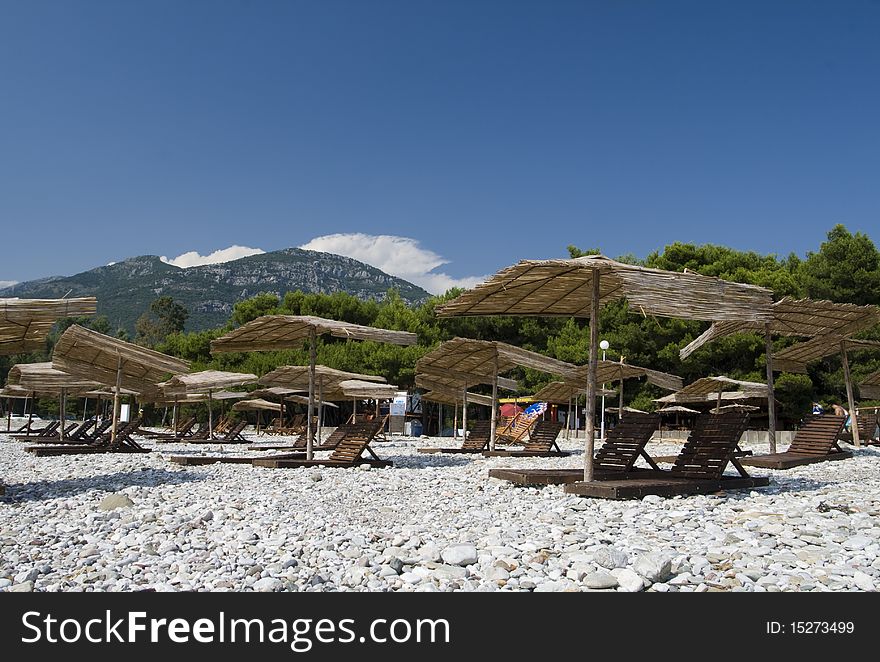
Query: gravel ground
{"type": "Point", "coordinates": [119, 522]}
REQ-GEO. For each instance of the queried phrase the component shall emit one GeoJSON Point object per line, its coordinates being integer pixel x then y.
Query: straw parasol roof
{"type": "Point", "coordinates": [737, 406]}
{"type": "Point", "coordinates": [25, 323]}
{"type": "Point", "coordinates": [562, 392]}
{"type": "Point", "coordinates": [796, 357]}
{"type": "Point", "coordinates": [578, 288]}
{"type": "Point", "coordinates": [564, 288]}
{"type": "Point", "coordinates": [870, 387]}
{"type": "Point", "coordinates": [205, 381]}
{"type": "Point", "coordinates": [485, 359]}
{"type": "Point", "coordinates": [677, 409]}
{"type": "Point", "coordinates": [273, 332]}
{"type": "Point", "coordinates": [705, 386]}
{"type": "Point", "coordinates": [456, 398]}
{"type": "Point", "coordinates": [43, 377]}
{"type": "Point", "coordinates": [612, 371]}
{"type": "Point", "coordinates": [17, 392]}
{"type": "Point", "coordinates": [106, 393]}
{"type": "Point", "coordinates": [195, 398]}
{"type": "Point", "coordinates": [255, 404]}
{"type": "Point", "coordinates": [357, 388]}
{"type": "Point", "coordinates": [97, 357]}
{"type": "Point", "coordinates": [797, 317]}
{"type": "Point", "coordinates": [631, 410]}
{"type": "Point", "coordinates": [289, 394]}
{"type": "Point", "coordinates": [459, 380]}
{"type": "Point", "coordinates": [297, 376]}
{"type": "Point", "coordinates": [728, 396]}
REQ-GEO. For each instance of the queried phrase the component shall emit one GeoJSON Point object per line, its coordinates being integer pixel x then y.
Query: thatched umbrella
{"type": "Point", "coordinates": [43, 377]}
{"type": "Point", "coordinates": [205, 382]}
{"type": "Point", "coordinates": [25, 323]}
{"type": "Point", "coordinates": [831, 325]}
{"type": "Point", "coordinates": [578, 287]}
{"type": "Point", "coordinates": [274, 332]}
{"type": "Point", "coordinates": [92, 355]}
{"type": "Point", "coordinates": [870, 386]}
{"type": "Point", "coordinates": [459, 381]}
{"type": "Point", "coordinates": [486, 359]}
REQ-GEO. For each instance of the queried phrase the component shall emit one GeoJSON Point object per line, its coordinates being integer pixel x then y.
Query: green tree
{"type": "Point", "coordinates": [164, 317]}
{"type": "Point", "coordinates": [845, 269]}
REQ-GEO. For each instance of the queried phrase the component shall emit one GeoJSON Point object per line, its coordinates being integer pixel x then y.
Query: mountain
{"type": "Point", "coordinates": [126, 289]}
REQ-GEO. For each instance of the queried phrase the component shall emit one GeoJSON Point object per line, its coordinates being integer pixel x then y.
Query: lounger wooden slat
{"type": "Point", "coordinates": [348, 453]}
{"type": "Point", "coordinates": [124, 443]}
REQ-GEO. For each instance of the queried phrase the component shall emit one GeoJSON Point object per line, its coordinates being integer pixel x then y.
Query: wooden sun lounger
{"type": "Point", "coordinates": [124, 443]}
{"type": "Point", "coordinates": [516, 432]}
{"type": "Point", "coordinates": [74, 434]}
{"type": "Point", "coordinates": [815, 442]}
{"type": "Point", "coordinates": [867, 430]}
{"type": "Point", "coordinates": [541, 443]}
{"type": "Point", "coordinates": [46, 431]}
{"type": "Point", "coordinates": [475, 442]}
{"type": "Point", "coordinates": [182, 430]}
{"type": "Point", "coordinates": [699, 468]}
{"type": "Point", "coordinates": [234, 434]}
{"type": "Point", "coordinates": [348, 453]}
{"type": "Point", "coordinates": [623, 446]}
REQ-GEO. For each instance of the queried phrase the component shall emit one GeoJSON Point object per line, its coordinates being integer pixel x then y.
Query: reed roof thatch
{"type": "Point", "coordinates": [161, 398]}
{"type": "Point", "coordinates": [564, 288]}
{"type": "Point", "coordinates": [255, 404]}
{"type": "Point", "coordinates": [797, 317]}
{"type": "Point", "coordinates": [25, 323]}
{"type": "Point", "coordinates": [614, 371]}
{"type": "Point", "coordinates": [456, 398]}
{"type": "Point", "coordinates": [455, 380]}
{"type": "Point", "coordinates": [481, 359]}
{"type": "Point", "coordinates": [297, 377]}
{"type": "Point", "coordinates": [19, 393]}
{"type": "Point", "coordinates": [677, 409]}
{"type": "Point", "coordinates": [273, 332]}
{"type": "Point", "coordinates": [357, 388]}
{"type": "Point", "coordinates": [92, 355]}
{"type": "Point", "coordinates": [796, 357]}
{"type": "Point", "coordinates": [288, 394]}
{"type": "Point", "coordinates": [870, 386]}
{"type": "Point", "coordinates": [205, 381]}
{"type": "Point", "coordinates": [43, 377]}
{"type": "Point", "coordinates": [561, 392]}
{"type": "Point", "coordinates": [706, 386]}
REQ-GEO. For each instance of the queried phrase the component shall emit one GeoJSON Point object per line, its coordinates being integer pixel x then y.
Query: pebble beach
{"type": "Point", "coordinates": [433, 522]}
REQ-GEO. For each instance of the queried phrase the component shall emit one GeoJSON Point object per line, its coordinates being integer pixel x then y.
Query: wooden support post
{"type": "Point", "coordinates": [464, 413]}
{"type": "Point", "coordinates": [853, 420]}
{"type": "Point", "coordinates": [9, 415]}
{"type": "Point", "coordinates": [493, 424]}
{"type": "Point", "coordinates": [210, 416]}
{"type": "Point", "coordinates": [174, 416]}
{"type": "Point", "coordinates": [62, 413]}
{"type": "Point", "coordinates": [771, 391]}
{"type": "Point", "coordinates": [568, 420]}
{"type": "Point", "coordinates": [439, 419]}
{"type": "Point", "coordinates": [116, 398]}
{"type": "Point", "coordinates": [320, 408]}
{"type": "Point", "coordinates": [620, 395]}
{"type": "Point", "coordinates": [591, 379]}
{"type": "Point", "coordinates": [313, 359]}
{"type": "Point", "coordinates": [455, 422]}
{"type": "Point", "coordinates": [31, 414]}
{"type": "Point", "coordinates": [718, 404]}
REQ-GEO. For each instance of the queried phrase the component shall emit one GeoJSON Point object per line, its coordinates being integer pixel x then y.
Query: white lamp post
{"type": "Point", "coordinates": [603, 346]}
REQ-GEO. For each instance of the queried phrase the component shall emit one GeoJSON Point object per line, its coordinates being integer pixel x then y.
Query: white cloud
{"type": "Point", "coordinates": [399, 256]}
{"type": "Point", "coordinates": [7, 283]}
{"type": "Point", "coordinates": [194, 259]}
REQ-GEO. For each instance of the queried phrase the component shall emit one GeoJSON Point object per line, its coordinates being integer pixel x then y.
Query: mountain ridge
{"type": "Point", "coordinates": [125, 289]}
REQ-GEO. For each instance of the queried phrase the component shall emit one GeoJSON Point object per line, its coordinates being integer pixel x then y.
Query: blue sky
{"type": "Point", "coordinates": [484, 132]}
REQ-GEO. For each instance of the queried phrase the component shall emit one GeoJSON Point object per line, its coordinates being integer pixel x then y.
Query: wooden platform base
{"type": "Point", "coordinates": [459, 451]}
{"type": "Point", "coordinates": [789, 460]}
{"type": "Point", "coordinates": [636, 488]}
{"type": "Point", "coordinates": [2, 488]}
{"type": "Point", "coordinates": [538, 476]}
{"type": "Point", "coordinates": [50, 451]}
{"type": "Point", "coordinates": [201, 460]}
{"type": "Point", "coordinates": [526, 454]}
{"type": "Point", "coordinates": [272, 463]}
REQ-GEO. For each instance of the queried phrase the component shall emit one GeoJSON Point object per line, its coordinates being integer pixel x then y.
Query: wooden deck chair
{"type": "Point", "coordinates": [234, 434]}
{"type": "Point", "coordinates": [47, 431]}
{"type": "Point", "coordinates": [124, 443]}
{"type": "Point", "coordinates": [183, 430]}
{"type": "Point", "coordinates": [348, 453]}
{"type": "Point", "coordinates": [541, 443]}
{"type": "Point", "coordinates": [519, 430]}
{"type": "Point", "coordinates": [867, 430]}
{"type": "Point", "coordinates": [815, 442]}
{"type": "Point", "coordinates": [476, 441]}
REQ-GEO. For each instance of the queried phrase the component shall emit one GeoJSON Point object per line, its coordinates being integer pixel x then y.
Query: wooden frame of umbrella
{"type": "Point", "coordinates": [578, 287]}
{"type": "Point", "coordinates": [274, 332]}
{"type": "Point", "coordinates": [205, 381]}
{"type": "Point", "coordinates": [308, 378]}
{"type": "Point", "coordinates": [829, 325]}
{"type": "Point", "coordinates": [44, 378]}
{"type": "Point", "coordinates": [465, 358]}
{"type": "Point", "coordinates": [456, 381]}
{"type": "Point", "coordinates": [113, 362]}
